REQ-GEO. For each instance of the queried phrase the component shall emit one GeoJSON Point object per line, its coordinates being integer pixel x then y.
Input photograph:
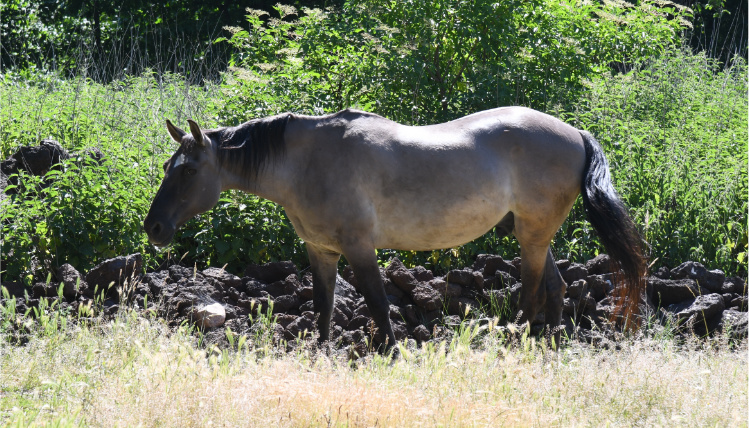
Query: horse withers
{"type": "Point", "coordinates": [354, 181]}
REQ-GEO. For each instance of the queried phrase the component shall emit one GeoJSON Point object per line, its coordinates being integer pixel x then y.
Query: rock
{"type": "Point", "coordinates": [562, 264]}
{"type": "Point", "coordinates": [713, 280]}
{"type": "Point", "coordinates": [178, 273]}
{"type": "Point", "coordinates": [340, 318]}
{"type": "Point", "coordinates": [691, 270]}
{"type": "Point", "coordinates": [210, 315]}
{"type": "Point", "coordinates": [223, 276]}
{"type": "Point", "coordinates": [73, 282]}
{"type": "Point", "coordinates": [421, 333]}
{"type": "Point", "coordinates": [156, 281]}
{"type": "Point", "coordinates": [14, 289]}
{"type": "Point", "coordinates": [490, 264]}
{"type": "Point", "coordinates": [344, 289]}
{"type": "Point", "coordinates": [575, 272]}
{"type": "Point", "coordinates": [703, 308]}
{"type": "Point", "coordinates": [37, 160]}
{"type": "Point", "coordinates": [446, 289]}
{"type": "Point", "coordinates": [285, 319]}
{"type": "Point", "coordinates": [734, 323]}
{"type": "Point", "coordinates": [285, 303]}
{"type": "Point", "coordinates": [740, 303]}
{"type": "Point", "coordinates": [739, 285]}
{"type": "Point", "coordinates": [271, 272]}
{"type": "Point", "coordinates": [577, 289]}
{"type": "Point", "coordinates": [358, 322]}
{"type": "Point", "coordinates": [302, 327]}
{"type": "Point", "coordinates": [662, 273]}
{"type": "Point", "coordinates": [599, 265]}
{"type": "Point", "coordinates": [422, 274]}
{"type": "Point", "coordinates": [460, 306]}
{"type": "Point", "coordinates": [348, 274]}
{"type": "Point", "coordinates": [115, 271]}
{"type": "Point", "coordinates": [43, 289]}
{"type": "Point", "coordinates": [666, 292]}
{"type": "Point", "coordinates": [600, 285]}
{"type": "Point", "coordinates": [401, 277]}
{"type": "Point", "coordinates": [426, 297]}
{"type": "Point", "coordinates": [466, 278]}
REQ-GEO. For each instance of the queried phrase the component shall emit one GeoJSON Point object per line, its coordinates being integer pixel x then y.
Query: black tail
{"type": "Point", "coordinates": [618, 233]}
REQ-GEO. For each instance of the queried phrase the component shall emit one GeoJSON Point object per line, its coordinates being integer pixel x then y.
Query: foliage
{"type": "Point", "coordinates": [675, 132]}
{"type": "Point", "coordinates": [672, 125]}
{"type": "Point", "coordinates": [428, 62]}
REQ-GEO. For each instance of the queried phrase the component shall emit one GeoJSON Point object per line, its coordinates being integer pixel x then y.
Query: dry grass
{"type": "Point", "coordinates": [132, 373]}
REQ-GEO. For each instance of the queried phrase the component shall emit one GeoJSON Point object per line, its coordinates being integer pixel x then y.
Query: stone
{"type": "Point", "coordinates": [210, 315]}
{"type": "Point", "coordinates": [599, 265]}
{"type": "Point", "coordinates": [223, 276]}
{"type": "Point", "coordinates": [577, 289]}
{"type": "Point", "coordinates": [421, 333]}
{"type": "Point", "coordinates": [302, 327]}
{"type": "Point", "coordinates": [703, 308]}
{"type": "Point", "coordinates": [713, 280]}
{"type": "Point", "coordinates": [115, 271]}
{"type": "Point", "coordinates": [344, 289]}
{"type": "Point", "coordinates": [562, 264]}
{"type": "Point", "coordinates": [600, 286]}
{"type": "Point", "coordinates": [285, 303]}
{"type": "Point", "coordinates": [662, 273]}
{"type": "Point", "coordinates": [574, 272]}
{"type": "Point", "coordinates": [669, 291]}
{"type": "Point", "coordinates": [426, 297]}
{"type": "Point", "coordinates": [460, 306]}
{"type": "Point", "coordinates": [358, 322]}
{"type": "Point", "coordinates": [734, 323]}
{"type": "Point", "coordinates": [37, 160]}
{"type": "Point", "coordinates": [73, 282]}
{"type": "Point", "coordinates": [156, 281]}
{"type": "Point", "coordinates": [446, 289]}
{"type": "Point", "coordinates": [691, 270]}
{"type": "Point", "coordinates": [271, 272]}
{"type": "Point", "coordinates": [462, 277]}
{"type": "Point", "coordinates": [402, 278]}
{"type": "Point", "coordinates": [422, 274]}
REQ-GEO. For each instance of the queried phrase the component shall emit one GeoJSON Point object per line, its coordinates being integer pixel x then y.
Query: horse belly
{"type": "Point", "coordinates": [425, 227]}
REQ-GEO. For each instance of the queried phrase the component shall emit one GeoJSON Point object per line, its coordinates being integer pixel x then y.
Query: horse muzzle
{"type": "Point", "coordinates": [160, 233]}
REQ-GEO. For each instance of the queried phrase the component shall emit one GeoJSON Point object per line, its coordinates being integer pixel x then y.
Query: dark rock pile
{"type": "Point", "coordinates": [38, 160]}
{"type": "Point", "coordinates": [689, 298]}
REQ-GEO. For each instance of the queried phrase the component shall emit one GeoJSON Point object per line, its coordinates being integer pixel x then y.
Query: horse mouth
{"type": "Point", "coordinates": [160, 234]}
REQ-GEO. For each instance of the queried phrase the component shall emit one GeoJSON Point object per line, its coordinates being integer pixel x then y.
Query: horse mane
{"type": "Point", "coordinates": [252, 145]}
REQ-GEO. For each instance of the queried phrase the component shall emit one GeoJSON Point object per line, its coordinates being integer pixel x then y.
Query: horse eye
{"type": "Point", "coordinates": [190, 171]}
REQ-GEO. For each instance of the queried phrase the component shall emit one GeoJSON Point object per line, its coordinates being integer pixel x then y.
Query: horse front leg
{"type": "Point", "coordinates": [367, 273]}
{"type": "Point", "coordinates": [324, 266]}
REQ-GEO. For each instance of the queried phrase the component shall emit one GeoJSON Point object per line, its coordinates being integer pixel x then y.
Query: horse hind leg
{"type": "Point", "coordinates": [555, 289]}
{"type": "Point", "coordinates": [324, 266]}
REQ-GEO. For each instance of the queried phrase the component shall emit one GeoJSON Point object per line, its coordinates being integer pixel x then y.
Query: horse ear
{"type": "Point", "coordinates": [197, 134]}
{"type": "Point", "coordinates": [175, 132]}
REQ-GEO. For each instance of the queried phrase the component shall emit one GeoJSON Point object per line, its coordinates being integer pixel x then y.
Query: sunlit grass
{"type": "Point", "coordinates": [134, 372]}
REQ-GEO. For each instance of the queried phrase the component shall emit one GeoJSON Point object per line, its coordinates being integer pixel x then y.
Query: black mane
{"type": "Point", "coordinates": [251, 145]}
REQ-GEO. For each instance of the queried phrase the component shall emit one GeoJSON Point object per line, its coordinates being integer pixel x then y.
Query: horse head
{"type": "Point", "coordinates": [191, 184]}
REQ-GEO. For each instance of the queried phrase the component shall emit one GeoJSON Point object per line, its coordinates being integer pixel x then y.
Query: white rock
{"type": "Point", "coordinates": [209, 316]}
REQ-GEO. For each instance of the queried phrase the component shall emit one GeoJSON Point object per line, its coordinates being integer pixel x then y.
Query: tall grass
{"type": "Point", "coordinates": [132, 372]}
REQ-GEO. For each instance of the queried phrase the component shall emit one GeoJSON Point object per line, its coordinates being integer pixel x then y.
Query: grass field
{"type": "Point", "coordinates": [133, 372]}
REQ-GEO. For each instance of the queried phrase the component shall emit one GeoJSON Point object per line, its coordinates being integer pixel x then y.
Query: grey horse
{"type": "Point", "coordinates": [352, 182]}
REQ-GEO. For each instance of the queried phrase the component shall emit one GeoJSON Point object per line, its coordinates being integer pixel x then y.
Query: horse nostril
{"type": "Point", "coordinates": [155, 229]}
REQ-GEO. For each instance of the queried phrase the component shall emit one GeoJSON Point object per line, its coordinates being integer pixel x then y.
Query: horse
{"type": "Point", "coordinates": [352, 182]}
